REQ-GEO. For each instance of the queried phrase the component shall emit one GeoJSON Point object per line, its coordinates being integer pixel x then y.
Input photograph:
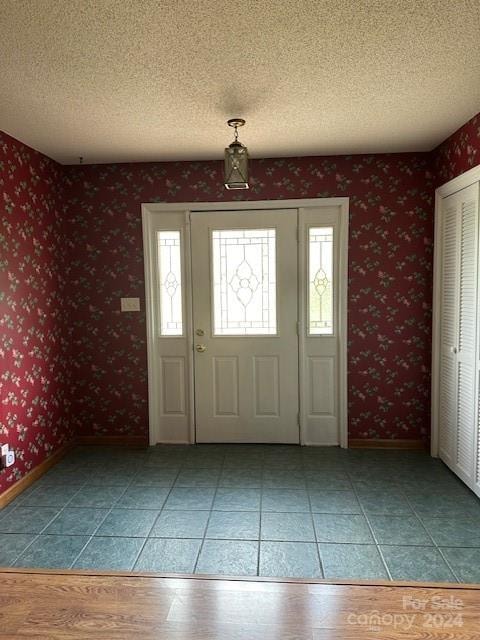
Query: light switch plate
{"type": "Point", "coordinates": [4, 450]}
{"type": "Point", "coordinates": [130, 304]}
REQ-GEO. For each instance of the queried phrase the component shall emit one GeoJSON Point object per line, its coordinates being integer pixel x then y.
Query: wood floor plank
{"type": "Point", "coordinates": [69, 606]}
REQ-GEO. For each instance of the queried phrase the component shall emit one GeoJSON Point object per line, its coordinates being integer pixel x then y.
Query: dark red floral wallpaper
{"type": "Point", "coordinates": [459, 153]}
{"type": "Point", "coordinates": [390, 262]}
{"type": "Point", "coordinates": [71, 246]}
{"type": "Point", "coordinates": [34, 375]}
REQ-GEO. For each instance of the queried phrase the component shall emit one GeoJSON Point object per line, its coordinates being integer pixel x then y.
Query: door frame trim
{"type": "Point", "coordinates": [449, 188]}
{"type": "Point", "coordinates": [148, 211]}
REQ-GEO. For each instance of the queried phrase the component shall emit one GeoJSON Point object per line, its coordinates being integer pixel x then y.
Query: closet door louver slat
{"type": "Point", "coordinates": [467, 338]}
{"type": "Point", "coordinates": [448, 387]}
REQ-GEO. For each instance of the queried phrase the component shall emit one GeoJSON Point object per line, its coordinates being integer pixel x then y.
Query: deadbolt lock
{"type": "Point", "coordinates": [200, 332]}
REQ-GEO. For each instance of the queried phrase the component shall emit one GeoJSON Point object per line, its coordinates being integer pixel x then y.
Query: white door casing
{"type": "Point", "coordinates": [322, 390]}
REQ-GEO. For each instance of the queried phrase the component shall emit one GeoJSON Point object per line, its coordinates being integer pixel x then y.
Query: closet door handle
{"type": "Point", "coordinates": [453, 350]}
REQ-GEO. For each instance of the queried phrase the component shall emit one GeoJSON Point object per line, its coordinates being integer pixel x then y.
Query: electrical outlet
{"type": "Point", "coordinates": [130, 304]}
{"type": "Point", "coordinates": [9, 459]}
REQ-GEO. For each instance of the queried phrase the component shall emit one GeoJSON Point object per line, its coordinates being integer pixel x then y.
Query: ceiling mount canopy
{"type": "Point", "coordinates": [236, 160]}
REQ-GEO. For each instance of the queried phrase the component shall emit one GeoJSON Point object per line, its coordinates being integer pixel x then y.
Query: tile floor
{"type": "Point", "coordinates": [248, 510]}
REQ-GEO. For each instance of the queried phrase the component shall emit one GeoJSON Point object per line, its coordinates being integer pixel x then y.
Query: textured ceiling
{"type": "Point", "coordinates": [133, 80]}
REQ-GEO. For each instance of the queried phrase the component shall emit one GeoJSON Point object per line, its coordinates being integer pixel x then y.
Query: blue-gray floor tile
{"type": "Point", "coordinates": [129, 523]}
{"type": "Point", "coordinates": [169, 451]}
{"type": "Point", "coordinates": [51, 551]}
{"type": "Point", "coordinates": [319, 473]}
{"type": "Point", "coordinates": [237, 499]}
{"type": "Point", "coordinates": [12, 545]}
{"type": "Point", "coordinates": [10, 507]}
{"type": "Point", "coordinates": [375, 486]}
{"type": "Point", "coordinates": [245, 454]}
{"type": "Point", "coordinates": [416, 563]}
{"type": "Point", "coordinates": [157, 476]}
{"type": "Point", "coordinates": [110, 478]}
{"type": "Point", "coordinates": [281, 479]}
{"type": "Point", "coordinates": [203, 461]}
{"type": "Point", "coordinates": [285, 500]}
{"type": "Point", "coordinates": [167, 555]}
{"type": "Point", "coordinates": [289, 527]}
{"type": "Point", "coordinates": [389, 503]}
{"type": "Point", "coordinates": [198, 478]}
{"type": "Point", "coordinates": [322, 482]}
{"type": "Point", "coordinates": [228, 557]}
{"type": "Point", "coordinates": [429, 505]}
{"type": "Point", "coordinates": [143, 498]}
{"type": "Point", "coordinates": [181, 524]}
{"type": "Point", "coordinates": [287, 483]}
{"type": "Point", "coordinates": [399, 530]}
{"type": "Point", "coordinates": [49, 496]}
{"type": "Point", "coordinates": [334, 502]}
{"type": "Point", "coordinates": [100, 497]}
{"type": "Point", "coordinates": [76, 476]}
{"type": "Point", "coordinates": [447, 484]}
{"type": "Point", "coordinates": [289, 560]}
{"type": "Point", "coordinates": [369, 473]}
{"type": "Point", "coordinates": [288, 460]}
{"type": "Point", "coordinates": [464, 562]}
{"type": "Point", "coordinates": [454, 532]}
{"type": "Point", "coordinates": [169, 460]}
{"type": "Point", "coordinates": [110, 553]}
{"type": "Point", "coordinates": [243, 465]}
{"type": "Point", "coordinates": [322, 460]}
{"type": "Point", "coordinates": [234, 525]}
{"type": "Point", "coordinates": [77, 521]}
{"type": "Point", "coordinates": [338, 527]}
{"type": "Point", "coordinates": [192, 499]}
{"type": "Point", "coordinates": [241, 479]}
{"type": "Point", "coordinates": [27, 519]}
{"type": "Point", "coordinates": [356, 561]}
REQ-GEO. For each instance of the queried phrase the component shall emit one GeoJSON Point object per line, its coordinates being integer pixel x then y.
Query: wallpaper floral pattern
{"type": "Point", "coordinates": [390, 270]}
{"type": "Point", "coordinates": [459, 153]}
{"type": "Point", "coordinates": [71, 246]}
{"type": "Point", "coordinates": [34, 375]}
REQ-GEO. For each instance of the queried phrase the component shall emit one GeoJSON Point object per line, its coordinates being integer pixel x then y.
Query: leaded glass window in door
{"type": "Point", "coordinates": [244, 282]}
{"type": "Point", "coordinates": [320, 271]}
{"type": "Point", "coordinates": [170, 283]}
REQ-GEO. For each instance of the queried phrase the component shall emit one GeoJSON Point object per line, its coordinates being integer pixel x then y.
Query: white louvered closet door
{"type": "Point", "coordinates": [458, 353]}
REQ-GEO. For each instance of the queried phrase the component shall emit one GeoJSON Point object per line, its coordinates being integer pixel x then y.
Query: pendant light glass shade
{"type": "Point", "coordinates": [236, 161]}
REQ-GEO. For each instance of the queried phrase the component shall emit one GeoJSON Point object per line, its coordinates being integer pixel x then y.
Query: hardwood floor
{"type": "Point", "coordinates": [36, 604]}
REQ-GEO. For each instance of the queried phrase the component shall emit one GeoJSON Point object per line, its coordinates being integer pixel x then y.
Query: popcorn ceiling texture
{"type": "Point", "coordinates": [71, 245]}
{"type": "Point", "coordinates": [123, 80]}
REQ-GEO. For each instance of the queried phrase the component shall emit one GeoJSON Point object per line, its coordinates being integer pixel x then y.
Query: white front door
{"type": "Point", "coordinates": [245, 279]}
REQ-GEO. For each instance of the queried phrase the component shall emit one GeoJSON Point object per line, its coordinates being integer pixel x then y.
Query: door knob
{"type": "Point", "coordinates": [200, 348]}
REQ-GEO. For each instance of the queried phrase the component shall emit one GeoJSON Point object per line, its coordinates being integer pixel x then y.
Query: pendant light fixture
{"type": "Point", "coordinates": [236, 160]}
